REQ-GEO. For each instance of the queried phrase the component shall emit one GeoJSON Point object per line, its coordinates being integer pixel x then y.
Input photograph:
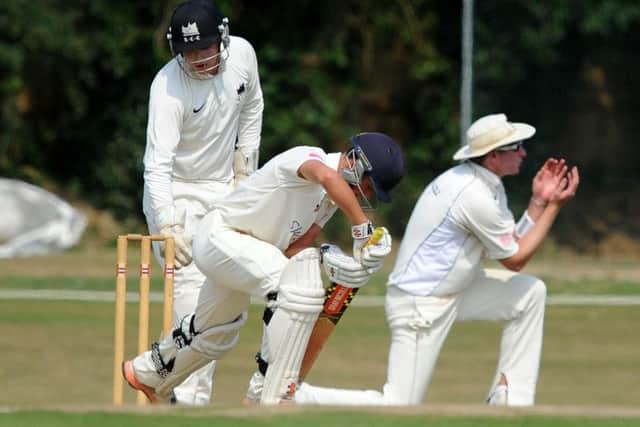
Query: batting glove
{"type": "Point", "coordinates": [360, 234]}
{"type": "Point", "coordinates": [342, 269]}
{"type": "Point", "coordinates": [373, 254]}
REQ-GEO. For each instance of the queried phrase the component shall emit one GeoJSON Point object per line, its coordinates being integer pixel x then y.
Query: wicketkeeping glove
{"type": "Point", "coordinates": [181, 241]}
{"type": "Point", "coordinates": [361, 234]}
{"type": "Point", "coordinates": [342, 269]}
{"type": "Point", "coordinates": [373, 254]}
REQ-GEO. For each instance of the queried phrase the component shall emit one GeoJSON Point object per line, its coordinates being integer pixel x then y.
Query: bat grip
{"type": "Point", "coordinates": [375, 236]}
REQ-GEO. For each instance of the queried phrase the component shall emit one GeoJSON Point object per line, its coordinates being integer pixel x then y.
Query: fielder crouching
{"type": "Point", "coordinates": [257, 241]}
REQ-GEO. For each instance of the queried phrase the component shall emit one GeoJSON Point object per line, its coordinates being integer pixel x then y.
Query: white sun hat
{"type": "Point", "coordinates": [491, 132]}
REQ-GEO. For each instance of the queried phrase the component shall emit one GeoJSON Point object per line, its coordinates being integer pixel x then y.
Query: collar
{"type": "Point", "coordinates": [485, 174]}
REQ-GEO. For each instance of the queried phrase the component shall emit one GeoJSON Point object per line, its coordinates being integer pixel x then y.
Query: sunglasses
{"type": "Point", "coordinates": [511, 147]}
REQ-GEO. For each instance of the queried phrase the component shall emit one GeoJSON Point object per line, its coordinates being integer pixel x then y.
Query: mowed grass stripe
{"type": "Point", "coordinates": [359, 301]}
{"type": "Point", "coordinates": [376, 286]}
{"type": "Point", "coordinates": [61, 353]}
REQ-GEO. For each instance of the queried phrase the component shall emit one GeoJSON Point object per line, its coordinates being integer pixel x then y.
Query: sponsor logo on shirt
{"type": "Point", "coordinates": [197, 110]}
{"type": "Point", "coordinates": [295, 228]}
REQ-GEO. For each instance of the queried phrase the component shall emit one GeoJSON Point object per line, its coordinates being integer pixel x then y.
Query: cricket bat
{"type": "Point", "coordinates": [337, 300]}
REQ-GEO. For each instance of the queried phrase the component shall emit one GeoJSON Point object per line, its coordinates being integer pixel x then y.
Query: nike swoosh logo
{"type": "Point", "coordinates": [197, 110]}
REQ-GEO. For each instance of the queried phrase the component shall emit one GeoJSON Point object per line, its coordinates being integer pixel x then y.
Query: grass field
{"type": "Point", "coordinates": [57, 358]}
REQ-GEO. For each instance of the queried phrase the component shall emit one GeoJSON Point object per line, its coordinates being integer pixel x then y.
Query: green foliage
{"type": "Point", "coordinates": [74, 83]}
{"type": "Point", "coordinates": [74, 80]}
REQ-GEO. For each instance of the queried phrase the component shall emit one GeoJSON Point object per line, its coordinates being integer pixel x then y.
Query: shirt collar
{"type": "Point", "coordinates": [484, 173]}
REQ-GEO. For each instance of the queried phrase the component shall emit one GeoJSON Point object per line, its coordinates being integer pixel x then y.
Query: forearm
{"type": "Point", "coordinates": [163, 136]}
{"type": "Point", "coordinates": [342, 195]}
{"type": "Point", "coordinates": [249, 131]}
{"type": "Point", "coordinates": [250, 122]}
{"type": "Point", "coordinates": [536, 207]}
{"type": "Point", "coordinates": [160, 207]}
{"type": "Point", "coordinates": [529, 217]}
{"type": "Point", "coordinates": [531, 241]}
{"type": "Point", "coordinates": [246, 155]}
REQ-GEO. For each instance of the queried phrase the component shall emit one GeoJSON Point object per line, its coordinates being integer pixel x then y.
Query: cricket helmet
{"type": "Point", "coordinates": [197, 24]}
{"type": "Point", "coordinates": [378, 156]}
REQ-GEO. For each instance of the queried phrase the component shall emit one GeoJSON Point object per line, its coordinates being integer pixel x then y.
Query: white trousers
{"type": "Point", "coordinates": [236, 266]}
{"type": "Point", "coordinates": [420, 325]}
{"type": "Point", "coordinates": [195, 199]}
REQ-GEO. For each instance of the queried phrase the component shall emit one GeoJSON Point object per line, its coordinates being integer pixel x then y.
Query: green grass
{"type": "Point", "coordinates": [307, 419]}
{"type": "Point", "coordinates": [56, 365]}
{"type": "Point", "coordinates": [376, 286]}
{"type": "Point", "coordinates": [60, 353]}
{"type": "Point", "coordinates": [94, 270]}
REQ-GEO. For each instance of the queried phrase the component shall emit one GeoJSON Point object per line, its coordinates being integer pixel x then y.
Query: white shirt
{"type": "Point", "coordinates": [193, 126]}
{"type": "Point", "coordinates": [275, 204]}
{"type": "Point", "coordinates": [460, 217]}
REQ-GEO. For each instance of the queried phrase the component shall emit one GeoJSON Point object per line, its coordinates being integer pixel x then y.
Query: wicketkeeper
{"type": "Point", "coordinates": [203, 135]}
{"type": "Point", "coordinates": [257, 241]}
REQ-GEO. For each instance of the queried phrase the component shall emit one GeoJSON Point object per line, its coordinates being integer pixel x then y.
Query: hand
{"type": "Point", "coordinates": [342, 269]}
{"type": "Point", "coordinates": [547, 180]}
{"type": "Point", "coordinates": [182, 243]}
{"type": "Point", "coordinates": [567, 188]}
{"type": "Point", "coordinates": [373, 254]}
{"type": "Point", "coordinates": [361, 234]}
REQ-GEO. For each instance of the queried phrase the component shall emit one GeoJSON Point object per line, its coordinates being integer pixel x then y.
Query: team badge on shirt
{"type": "Point", "coordinates": [506, 239]}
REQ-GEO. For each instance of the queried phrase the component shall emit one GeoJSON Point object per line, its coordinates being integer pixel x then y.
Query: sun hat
{"type": "Point", "coordinates": [491, 132]}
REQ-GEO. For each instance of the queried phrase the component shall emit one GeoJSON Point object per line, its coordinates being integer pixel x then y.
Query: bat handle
{"type": "Point", "coordinates": [375, 236]}
{"type": "Point", "coordinates": [335, 302]}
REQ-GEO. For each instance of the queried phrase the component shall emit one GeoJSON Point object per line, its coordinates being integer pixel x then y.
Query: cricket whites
{"type": "Point", "coordinates": [337, 300]}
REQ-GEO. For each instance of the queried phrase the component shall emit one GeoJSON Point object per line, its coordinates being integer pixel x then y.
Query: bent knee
{"type": "Point", "coordinates": [538, 290]}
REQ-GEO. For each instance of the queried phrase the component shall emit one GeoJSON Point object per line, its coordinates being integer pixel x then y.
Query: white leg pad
{"type": "Point", "coordinates": [216, 341]}
{"type": "Point", "coordinates": [211, 344]}
{"type": "Point", "coordinates": [300, 300]}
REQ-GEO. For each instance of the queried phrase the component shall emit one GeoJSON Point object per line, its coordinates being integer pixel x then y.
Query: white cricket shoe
{"type": "Point", "coordinates": [499, 396]}
{"type": "Point", "coordinates": [254, 392]}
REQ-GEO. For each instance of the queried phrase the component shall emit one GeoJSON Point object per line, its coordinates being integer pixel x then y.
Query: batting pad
{"type": "Point", "coordinates": [211, 344]}
{"type": "Point", "coordinates": [300, 300]}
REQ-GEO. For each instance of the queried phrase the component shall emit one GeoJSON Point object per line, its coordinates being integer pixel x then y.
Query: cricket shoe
{"type": "Point", "coordinates": [499, 396]}
{"type": "Point", "coordinates": [130, 376]}
{"type": "Point", "coordinates": [254, 392]}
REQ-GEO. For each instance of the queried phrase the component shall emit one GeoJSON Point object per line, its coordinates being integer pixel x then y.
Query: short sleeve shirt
{"type": "Point", "coordinates": [460, 217]}
{"type": "Point", "coordinates": [275, 204]}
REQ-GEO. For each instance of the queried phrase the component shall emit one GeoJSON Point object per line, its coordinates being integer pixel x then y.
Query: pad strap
{"type": "Point", "coordinates": [162, 368]}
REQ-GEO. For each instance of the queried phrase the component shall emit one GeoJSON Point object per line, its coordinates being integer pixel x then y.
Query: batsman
{"type": "Point", "coordinates": [258, 240]}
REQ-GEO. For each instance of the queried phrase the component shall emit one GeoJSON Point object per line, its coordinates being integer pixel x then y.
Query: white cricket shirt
{"type": "Point", "coordinates": [275, 204]}
{"type": "Point", "coordinates": [460, 217]}
{"type": "Point", "coordinates": [193, 125]}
